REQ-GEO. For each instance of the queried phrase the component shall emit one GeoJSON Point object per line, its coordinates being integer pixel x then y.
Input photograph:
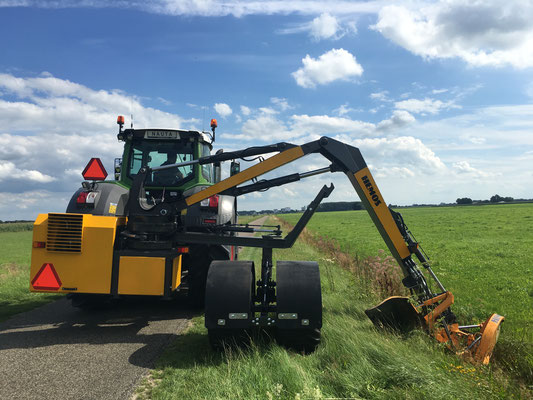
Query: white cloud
{"type": "Point", "coordinates": [65, 107]}
{"type": "Point", "coordinates": [281, 103]}
{"type": "Point", "coordinates": [325, 26]}
{"type": "Point", "coordinates": [345, 109]}
{"type": "Point", "coordinates": [381, 96]}
{"type": "Point", "coordinates": [464, 167]}
{"type": "Point", "coordinates": [490, 32]}
{"type": "Point", "coordinates": [326, 125]}
{"type": "Point", "coordinates": [214, 8]}
{"type": "Point", "coordinates": [427, 105]}
{"type": "Point", "coordinates": [245, 110]}
{"type": "Point", "coordinates": [336, 64]}
{"type": "Point", "coordinates": [223, 109]}
{"type": "Point", "coordinates": [398, 119]}
{"type": "Point", "coordinates": [51, 127]}
{"type": "Point", "coordinates": [268, 126]}
{"type": "Point", "coordinates": [405, 151]}
{"type": "Point", "coordinates": [9, 171]}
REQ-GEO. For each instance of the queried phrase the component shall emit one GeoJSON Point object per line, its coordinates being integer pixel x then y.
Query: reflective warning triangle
{"type": "Point", "coordinates": [94, 171]}
{"type": "Point", "coordinates": [46, 278]}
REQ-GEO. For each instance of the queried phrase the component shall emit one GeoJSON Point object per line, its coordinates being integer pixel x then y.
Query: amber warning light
{"type": "Point", "coordinates": [94, 171]}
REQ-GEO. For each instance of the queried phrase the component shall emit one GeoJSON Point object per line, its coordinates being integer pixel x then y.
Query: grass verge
{"type": "Point", "coordinates": [354, 360]}
{"type": "Point", "coordinates": [15, 296]}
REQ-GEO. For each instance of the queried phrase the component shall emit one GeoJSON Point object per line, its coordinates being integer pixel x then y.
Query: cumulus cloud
{"type": "Point", "coordinates": [490, 32]}
{"type": "Point", "coordinates": [9, 171]}
{"type": "Point", "coordinates": [51, 127]}
{"type": "Point", "coordinates": [281, 103]}
{"type": "Point", "coordinates": [324, 27]}
{"type": "Point", "coordinates": [336, 64]}
{"type": "Point", "coordinates": [406, 151]}
{"type": "Point", "coordinates": [398, 119]}
{"type": "Point", "coordinates": [427, 105]}
{"type": "Point", "coordinates": [265, 127]}
{"type": "Point", "coordinates": [245, 110]}
{"type": "Point", "coordinates": [223, 109]}
{"type": "Point", "coordinates": [324, 125]}
{"type": "Point", "coordinates": [345, 109]}
{"type": "Point", "coordinates": [310, 127]}
{"type": "Point", "coordinates": [380, 96]}
{"type": "Point", "coordinates": [62, 106]}
{"type": "Point", "coordinates": [464, 168]}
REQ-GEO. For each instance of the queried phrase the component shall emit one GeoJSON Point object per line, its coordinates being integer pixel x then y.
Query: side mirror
{"type": "Point", "coordinates": [235, 168]}
{"type": "Point", "coordinates": [118, 168]}
{"type": "Point", "coordinates": [218, 173]}
{"type": "Point", "coordinates": [217, 168]}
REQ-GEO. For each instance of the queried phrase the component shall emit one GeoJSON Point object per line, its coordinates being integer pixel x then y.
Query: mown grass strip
{"type": "Point", "coordinates": [354, 360]}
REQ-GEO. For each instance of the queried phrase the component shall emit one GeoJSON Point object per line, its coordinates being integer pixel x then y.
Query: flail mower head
{"type": "Point", "coordinates": [474, 342]}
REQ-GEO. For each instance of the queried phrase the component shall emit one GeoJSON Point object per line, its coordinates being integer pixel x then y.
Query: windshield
{"type": "Point", "coordinates": [155, 154]}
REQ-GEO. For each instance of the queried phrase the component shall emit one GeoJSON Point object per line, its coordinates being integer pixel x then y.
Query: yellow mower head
{"type": "Point", "coordinates": [474, 342]}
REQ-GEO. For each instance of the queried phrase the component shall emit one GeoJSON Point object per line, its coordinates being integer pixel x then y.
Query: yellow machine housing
{"type": "Point", "coordinates": [80, 247]}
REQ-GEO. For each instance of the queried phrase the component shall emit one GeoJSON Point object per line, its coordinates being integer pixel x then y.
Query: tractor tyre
{"type": "Point", "coordinates": [229, 302]}
{"type": "Point", "coordinates": [299, 305]}
{"type": "Point", "coordinates": [199, 261]}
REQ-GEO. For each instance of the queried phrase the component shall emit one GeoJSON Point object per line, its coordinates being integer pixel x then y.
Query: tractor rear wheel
{"type": "Point", "coordinates": [299, 305]}
{"type": "Point", "coordinates": [229, 302]}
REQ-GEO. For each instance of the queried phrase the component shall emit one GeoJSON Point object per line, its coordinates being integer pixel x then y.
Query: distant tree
{"type": "Point", "coordinates": [340, 206]}
{"type": "Point", "coordinates": [507, 199]}
{"type": "Point", "coordinates": [496, 198]}
{"type": "Point", "coordinates": [464, 200]}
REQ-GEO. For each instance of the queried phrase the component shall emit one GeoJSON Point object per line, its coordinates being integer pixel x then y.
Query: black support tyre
{"type": "Point", "coordinates": [229, 302]}
{"type": "Point", "coordinates": [299, 305]}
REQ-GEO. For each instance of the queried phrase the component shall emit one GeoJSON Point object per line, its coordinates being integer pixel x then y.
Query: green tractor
{"type": "Point", "coordinates": [156, 149]}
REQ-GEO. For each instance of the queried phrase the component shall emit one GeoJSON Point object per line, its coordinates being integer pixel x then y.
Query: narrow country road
{"type": "Point", "coordinates": [59, 352]}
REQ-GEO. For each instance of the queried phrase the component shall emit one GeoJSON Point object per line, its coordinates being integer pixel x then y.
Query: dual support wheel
{"type": "Point", "coordinates": [233, 307]}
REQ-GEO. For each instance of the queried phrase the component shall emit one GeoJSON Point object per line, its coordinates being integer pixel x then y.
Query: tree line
{"type": "Point", "coordinates": [494, 199]}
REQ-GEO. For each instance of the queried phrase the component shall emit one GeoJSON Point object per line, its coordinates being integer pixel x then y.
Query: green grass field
{"type": "Point", "coordinates": [15, 256]}
{"type": "Point", "coordinates": [482, 254]}
{"type": "Point", "coordinates": [354, 360]}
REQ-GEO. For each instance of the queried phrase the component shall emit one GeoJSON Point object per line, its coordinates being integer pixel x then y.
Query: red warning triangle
{"type": "Point", "coordinates": [46, 278]}
{"type": "Point", "coordinates": [94, 171]}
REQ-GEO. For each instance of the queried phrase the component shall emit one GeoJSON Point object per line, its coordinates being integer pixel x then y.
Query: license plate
{"type": "Point", "coordinates": [161, 135]}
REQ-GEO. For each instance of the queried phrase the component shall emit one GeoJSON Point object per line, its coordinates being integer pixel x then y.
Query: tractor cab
{"type": "Point", "coordinates": [154, 148]}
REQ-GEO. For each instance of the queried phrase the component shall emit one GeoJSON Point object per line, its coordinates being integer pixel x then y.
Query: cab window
{"type": "Point", "coordinates": [155, 154]}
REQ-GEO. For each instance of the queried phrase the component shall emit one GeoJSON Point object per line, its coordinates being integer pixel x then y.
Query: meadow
{"type": "Point", "coordinates": [482, 254]}
{"type": "Point", "coordinates": [353, 361]}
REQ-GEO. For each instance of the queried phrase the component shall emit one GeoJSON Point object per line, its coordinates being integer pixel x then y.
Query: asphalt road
{"type": "Point", "coordinates": [59, 352]}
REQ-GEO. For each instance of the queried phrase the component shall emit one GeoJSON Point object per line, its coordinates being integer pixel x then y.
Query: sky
{"type": "Point", "coordinates": [437, 95]}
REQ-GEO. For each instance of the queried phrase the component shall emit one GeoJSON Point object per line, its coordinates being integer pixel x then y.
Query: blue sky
{"type": "Point", "coordinates": [437, 95]}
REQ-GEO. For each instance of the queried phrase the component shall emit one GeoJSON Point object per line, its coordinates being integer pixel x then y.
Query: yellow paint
{"type": "Point", "coordinates": [256, 170]}
{"type": "Point", "coordinates": [88, 271]}
{"type": "Point", "coordinates": [176, 272]}
{"type": "Point", "coordinates": [383, 213]}
{"type": "Point", "coordinates": [141, 275]}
